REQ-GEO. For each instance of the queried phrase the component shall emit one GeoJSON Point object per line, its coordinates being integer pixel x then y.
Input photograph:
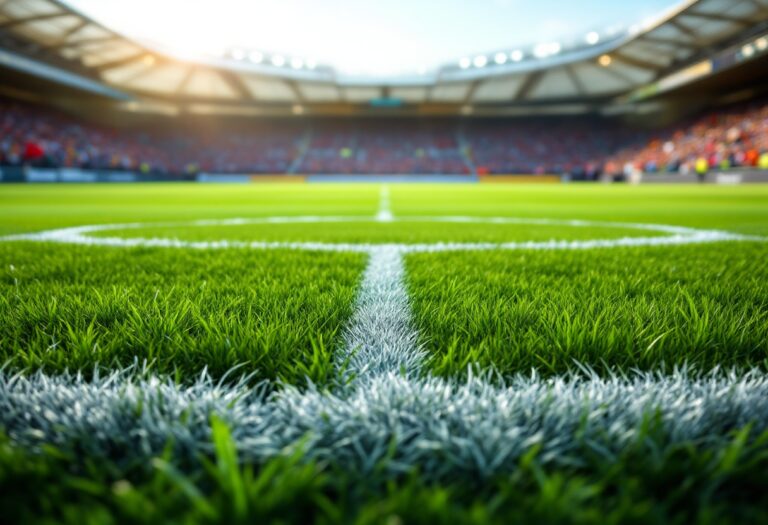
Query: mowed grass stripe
{"type": "Point", "coordinates": [610, 309]}
{"type": "Point", "coordinates": [277, 314]}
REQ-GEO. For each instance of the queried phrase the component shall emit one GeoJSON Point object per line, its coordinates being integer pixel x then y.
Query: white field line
{"type": "Point", "coordinates": [380, 337]}
{"type": "Point", "coordinates": [676, 235]}
{"type": "Point", "coordinates": [389, 425]}
{"type": "Point", "coordinates": [385, 213]}
{"type": "Point", "coordinates": [386, 411]}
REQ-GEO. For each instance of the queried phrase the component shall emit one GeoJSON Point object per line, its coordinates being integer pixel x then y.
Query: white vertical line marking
{"type": "Point", "coordinates": [385, 213]}
{"type": "Point", "coordinates": [380, 338]}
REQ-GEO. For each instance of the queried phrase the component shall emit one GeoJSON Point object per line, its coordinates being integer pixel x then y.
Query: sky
{"type": "Point", "coordinates": [364, 37]}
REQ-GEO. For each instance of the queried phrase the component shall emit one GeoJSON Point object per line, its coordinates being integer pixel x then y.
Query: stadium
{"type": "Point", "coordinates": [423, 262]}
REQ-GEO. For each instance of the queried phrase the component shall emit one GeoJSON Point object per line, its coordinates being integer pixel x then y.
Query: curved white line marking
{"type": "Point", "coordinates": [441, 427]}
{"type": "Point", "coordinates": [677, 235]}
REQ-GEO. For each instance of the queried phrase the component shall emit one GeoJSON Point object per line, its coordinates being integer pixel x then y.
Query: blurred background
{"type": "Point", "coordinates": [502, 90]}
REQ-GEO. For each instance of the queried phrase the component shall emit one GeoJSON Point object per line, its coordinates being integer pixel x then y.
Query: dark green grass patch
{"type": "Point", "coordinates": [704, 305]}
{"type": "Point", "coordinates": [686, 484]}
{"type": "Point", "coordinates": [277, 313]}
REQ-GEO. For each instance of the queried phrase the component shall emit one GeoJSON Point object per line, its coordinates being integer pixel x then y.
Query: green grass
{"type": "Point", "coordinates": [687, 484]}
{"type": "Point", "coordinates": [735, 208]}
{"type": "Point", "coordinates": [278, 314]}
{"type": "Point", "coordinates": [613, 309]}
{"type": "Point", "coordinates": [405, 231]}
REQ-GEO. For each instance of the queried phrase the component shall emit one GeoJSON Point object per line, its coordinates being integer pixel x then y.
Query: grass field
{"type": "Point", "coordinates": [312, 363]}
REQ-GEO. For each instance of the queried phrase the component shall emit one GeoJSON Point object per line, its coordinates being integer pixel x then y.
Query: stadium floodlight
{"type": "Point", "coordinates": [311, 63]}
{"type": "Point", "coordinates": [480, 61]}
{"type": "Point", "coordinates": [500, 58]}
{"type": "Point", "coordinates": [238, 54]}
{"type": "Point", "coordinates": [605, 60]}
{"type": "Point", "coordinates": [546, 50]}
{"type": "Point", "coordinates": [297, 109]}
{"type": "Point", "coordinates": [149, 60]}
{"type": "Point", "coordinates": [465, 62]}
{"type": "Point", "coordinates": [256, 57]}
{"type": "Point", "coordinates": [593, 38]}
{"type": "Point", "coordinates": [748, 50]}
{"type": "Point", "coordinates": [297, 63]}
{"type": "Point", "coordinates": [516, 55]}
{"type": "Point", "coordinates": [762, 43]}
{"type": "Point", "coordinates": [278, 60]}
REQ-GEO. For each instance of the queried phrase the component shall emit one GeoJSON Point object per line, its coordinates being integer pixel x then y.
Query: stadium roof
{"type": "Point", "coordinates": [551, 74]}
{"type": "Point", "coordinates": [364, 39]}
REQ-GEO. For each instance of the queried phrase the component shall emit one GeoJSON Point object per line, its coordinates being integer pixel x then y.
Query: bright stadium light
{"type": "Point", "coordinates": [593, 38]}
{"type": "Point", "coordinates": [465, 62]}
{"type": "Point", "coordinates": [546, 50]}
{"type": "Point", "coordinates": [149, 60]}
{"type": "Point", "coordinates": [256, 57]}
{"type": "Point", "coordinates": [516, 55]}
{"type": "Point", "coordinates": [605, 60]}
{"type": "Point", "coordinates": [297, 109]}
{"type": "Point", "coordinates": [297, 63]}
{"type": "Point", "coordinates": [278, 60]}
{"type": "Point", "coordinates": [238, 54]}
{"type": "Point", "coordinates": [748, 50]}
{"type": "Point", "coordinates": [762, 43]}
{"type": "Point", "coordinates": [311, 63]}
{"type": "Point", "coordinates": [500, 58]}
{"type": "Point", "coordinates": [480, 61]}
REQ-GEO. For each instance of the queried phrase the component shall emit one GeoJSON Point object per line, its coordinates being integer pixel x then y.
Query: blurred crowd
{"type": "Point", "coordinates": [44, 138]}
{"type": "Point", "coordinates": [383, 148]}
{"type": "Point", "coordinates": [577, 147]}
{"type": "Point", "coordinates": [735, 137]}
{"type": "Point", "coordinates": [583, 148]}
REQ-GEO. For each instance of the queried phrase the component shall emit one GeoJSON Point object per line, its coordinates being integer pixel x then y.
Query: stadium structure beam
{"type": "Point", "coordinates": [236, 84]}
{"type": "Point", "coordinates": [618, 74]}
{"type": "Point", "coordinates": [82, 42]}
{"type": "Point", "coordinates": [191, 70]}
{"type": "Point", "coordinates": [29, 19]}
{"type": "Point", "coordinates": [668, 41]}
{"type": "Point", "coordinates": [471, 91]}
{"type": "Point", "coordinates": [576, 81]}
{"type": "Point", "coordinates": [120, 62]}
{"type": "Point", "coordinates": [66, 35]}
{"type": "Point", "coordinates": [723, 17]}
{"type": "Point", "coordinates": [529, 84]}
{"type": "Point", "coordinates": [637, 62]}
{"type": "Point", "coordinates": [294, 87]}
{"type": "Point", "coordinates": [677, 24]}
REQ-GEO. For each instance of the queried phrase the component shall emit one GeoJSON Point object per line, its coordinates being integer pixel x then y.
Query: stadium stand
{"type": "Point", "coordinates": [733, 137]}
{"type": "Point", "coordinates": [582, 147]}
{"type": "Point", "coordinates": [399, 147]}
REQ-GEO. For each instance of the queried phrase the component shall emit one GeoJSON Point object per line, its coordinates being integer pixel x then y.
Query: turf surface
{"type": "Point", "coordinates": [279, 314]}
{"type": "Point", "coordinates": [275, 314]}
{"type": "Point", "coordinates": [368, 231]}
{"type": "Point", "coordinates": [610, 309]}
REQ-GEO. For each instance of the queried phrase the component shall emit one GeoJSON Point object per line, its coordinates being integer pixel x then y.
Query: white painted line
{"type": "Point", "coordinates": [380, 337]}
{"type": "Point", "coordinates": [676, 235]}
{"type": "Point", "coordinates": [390, 424]}
{"type": "Point", "coordinates": [386, 414]}
{"type": "Point", "coordinates": [385, 213]}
